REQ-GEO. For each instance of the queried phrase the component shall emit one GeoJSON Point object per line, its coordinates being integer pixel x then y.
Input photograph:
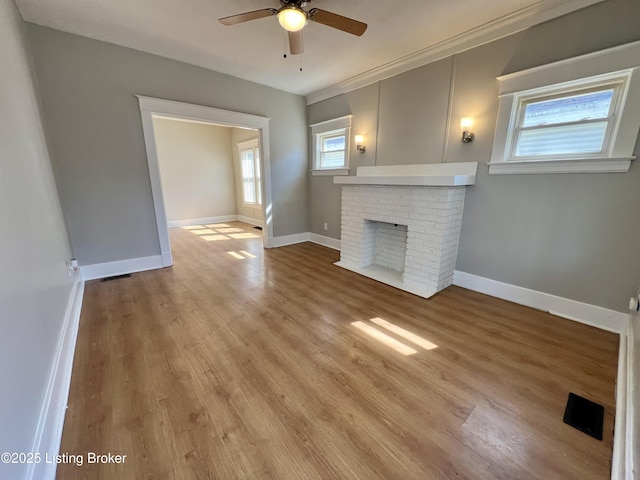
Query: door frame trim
{"type": "Point", "coordinates": [150, 107]}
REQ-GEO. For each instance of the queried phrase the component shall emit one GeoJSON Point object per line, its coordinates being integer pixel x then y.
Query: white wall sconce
{"type": "Point", "coordinates": [359, 143]}
{"type": "Point", "coordinates": [465, 124]}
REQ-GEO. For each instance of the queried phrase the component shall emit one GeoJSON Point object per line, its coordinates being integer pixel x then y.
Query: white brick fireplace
{"type": "Point", "coordinates": [401, 225]}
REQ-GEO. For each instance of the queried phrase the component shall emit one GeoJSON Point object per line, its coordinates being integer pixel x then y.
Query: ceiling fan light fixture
{"type": "Point", "coordinates": [292, 18]}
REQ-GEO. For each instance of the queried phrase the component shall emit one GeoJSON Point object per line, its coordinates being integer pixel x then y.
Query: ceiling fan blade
{"type": "Point", "coordinates": [295, 42]}
{"type": "Point", "coordinates": [246, 16]}
{"type": "Point", "coordinates": [334, 20]}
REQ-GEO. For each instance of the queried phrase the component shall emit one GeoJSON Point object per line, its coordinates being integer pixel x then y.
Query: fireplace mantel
{"type": "Point", "coordinates": [435, 175]}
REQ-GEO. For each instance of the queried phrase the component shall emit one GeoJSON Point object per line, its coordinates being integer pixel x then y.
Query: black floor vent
{"type": "Point", "coordinates": [257, 227]}
{"type": "Point", "coordinates": [116, 277]}
{"type": "Point", "coordinates": [585, 415]}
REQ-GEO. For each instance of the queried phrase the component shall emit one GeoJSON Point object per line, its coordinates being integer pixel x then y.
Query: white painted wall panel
{"type": "Point", "coordinates": [34, 285]}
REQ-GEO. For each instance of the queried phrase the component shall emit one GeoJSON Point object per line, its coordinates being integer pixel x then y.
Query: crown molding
{"type": "Point", "coordinates": [520, 20]}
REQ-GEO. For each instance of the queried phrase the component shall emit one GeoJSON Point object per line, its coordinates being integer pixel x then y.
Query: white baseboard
{"type": "Point", "coordinates": [249, 220]}
{"type": "Point", "coordinates": [54, 407]}
{"type": "Point", "coordinates": [121, 267]}
{"type": "Point", "coordinates": [625, 436]}
{"type": "Point", "coordinates": [325, 241]}
{"type": "Point", "coordinates": [306, 237]}
{"type": "Point", "coordinates": [633, 399]}
{"type": "Point", "coordinates": [289, 239]}
{"type": "Point", "coordinates": [188, 222]}
{"type": "Point", "coordinates": [167, 258]}
{"type": "Point", "coordinates": [563, 307]}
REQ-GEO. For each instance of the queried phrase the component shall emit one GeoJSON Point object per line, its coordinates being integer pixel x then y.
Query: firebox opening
{"type": "Point", "coordinates": [384, 245]}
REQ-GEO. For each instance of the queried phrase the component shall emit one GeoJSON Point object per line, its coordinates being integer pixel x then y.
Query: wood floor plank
{"type": "Point", "coordinates": [243, 363]}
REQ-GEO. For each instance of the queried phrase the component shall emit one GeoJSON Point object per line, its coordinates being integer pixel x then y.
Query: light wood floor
{"type": "Point", "coordinates": [250, 368]}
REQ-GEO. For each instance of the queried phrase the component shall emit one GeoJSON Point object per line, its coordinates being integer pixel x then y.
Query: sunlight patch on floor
{"type": "Point", "coordinates": [243, 235]}
{"type": "Point", "coordinates": [384, 338]}
{"type": "Point", "coordinates": [214, 238]}
{"type": "Point", "coordinates": [221, 231]}
{"type": "Point", "coordinates": [241, 255]}
{"type": "Point", "coordinates": [407, 335]}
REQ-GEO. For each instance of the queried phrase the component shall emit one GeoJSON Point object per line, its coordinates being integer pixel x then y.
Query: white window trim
{"type": "Point", "coordinates": [317, 129]}
{"type": "Point", "coordinates": [606, 64]}
{"type": "Point", "coordinates": [330, 172]}
{"type": "Point", "coordinates": [249, 144]}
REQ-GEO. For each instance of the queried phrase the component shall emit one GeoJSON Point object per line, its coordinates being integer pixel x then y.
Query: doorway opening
{"type": "Point", "coordinates": [151, 108]}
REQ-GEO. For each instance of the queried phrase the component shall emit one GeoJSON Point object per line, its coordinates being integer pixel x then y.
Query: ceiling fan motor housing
{"type": "Point", "coordinates": [295, 3]}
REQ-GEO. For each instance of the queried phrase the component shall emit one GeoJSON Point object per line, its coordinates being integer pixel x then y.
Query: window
{"type": "Point", "coordinates": [587, 124]}
{"type": "Point", "coordinates": [250, 170]}
{"type": "Point", "coordinates": [333, 149]}
{"type": "Point", "coordinates": [558, 123]}
{"type": "Point", "coordinates": [331, 146]}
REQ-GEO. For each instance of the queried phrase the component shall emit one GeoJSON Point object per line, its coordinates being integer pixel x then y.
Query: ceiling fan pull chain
{"type": "Point", "coordinates": [284, 44]}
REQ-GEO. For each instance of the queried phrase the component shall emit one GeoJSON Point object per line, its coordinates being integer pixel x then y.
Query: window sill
{"type": "Point", "coordinates": [334, 172]}
{"type": "Point", "coordinates": [591, 165]}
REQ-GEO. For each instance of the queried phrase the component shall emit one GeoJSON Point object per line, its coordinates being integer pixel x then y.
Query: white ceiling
{"type": "Point", "coordinates": [188, 30]}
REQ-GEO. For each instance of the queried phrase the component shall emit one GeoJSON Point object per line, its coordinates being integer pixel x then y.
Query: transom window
{"type": "Point", "coordinates": [331, 146]}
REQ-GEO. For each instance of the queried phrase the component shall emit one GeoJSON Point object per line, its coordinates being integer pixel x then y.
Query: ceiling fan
{"type": "Point", "coordinates": [293, 18]}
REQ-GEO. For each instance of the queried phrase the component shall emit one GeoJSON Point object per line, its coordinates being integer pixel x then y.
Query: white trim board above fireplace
{"type": "Point", "coordinates": [401, 224]}
{"type": "Point", "coordinates": [433, 174]}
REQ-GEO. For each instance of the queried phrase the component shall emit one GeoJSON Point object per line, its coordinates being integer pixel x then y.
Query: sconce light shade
{"type": "Point", "coordinates": [359, 143]}
{"type": "Point", "coordinates": [292, 18]}
{"type": "Point", "coordinates": [465, 124]}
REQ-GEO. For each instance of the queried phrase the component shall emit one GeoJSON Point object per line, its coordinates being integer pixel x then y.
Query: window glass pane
{"type": "Point", "coordinates": [566, 139]}
{"type": "Point", "coordinates": [248, 176]}
{"type": "Point", "coordinates": [332, 159]}
{"type": "Point", "coordinates": [247, 161]}
{"type": "Point", "coordinates": [249, 192]}
{"type": "Point", "coordinates": [330, 144]}
{"type": "Point", "coordinates": [258, 178]}
{"type": "Point", "coordinates": [572, 108]}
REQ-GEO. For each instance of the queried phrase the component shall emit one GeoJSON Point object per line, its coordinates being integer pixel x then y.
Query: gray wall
{"type": "Point", "coordinates": [407, 105]}
{"type": "Point", "coordinates": [571, 235]}
{"type": "Point", "coordinates": [196, 169]}
{"type": "Point", "coordinates": [325, 196]}
{"type": "Point", "coordinates": [95, 131]}
{"type": "Point", "coordinates": [34, 284]}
